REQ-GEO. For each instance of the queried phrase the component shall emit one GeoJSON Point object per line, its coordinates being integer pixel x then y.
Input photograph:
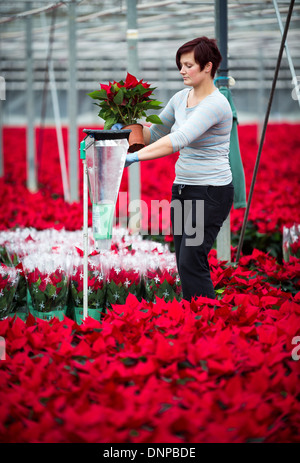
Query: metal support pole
{"type": "Point", "coordinates": [1, 139]}
{"type": "Point", "coordinates": [31, 167]}
{"type": "Point", "coordinates": [276, 72]}
{"type": "Point", "coordinates": [85, 240]}
{"type": "Point", "coordinates": [221, 31]}
{"type": "Point", "coordinates": [2, 97]}
{"type": "Point", "coordinates": [224, 236]}
{"type": "Point", "coordinates": [134, 173]}
{"type": "Point", "coordinates": [288, 55]}
{"type": "Point", "coordinates": [72, 106]}
{"type": "Point", "coordinates": [85, 227]}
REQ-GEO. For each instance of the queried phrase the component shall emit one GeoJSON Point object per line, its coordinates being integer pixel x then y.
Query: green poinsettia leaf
{"type": "Point", "coordinates": [115, 88]}
{"type": "Point", "coordinates": [98, 94]}
{"type": "Point", "coordinates": [50, 290]}
{"type": "Point", "coordinates": [154, 119]}
{"type": "Point", "coordinates": [110, 122]}
{"type": "Point", "coordinates": [142, 90]}
{"type": "Point", "coordinates": [155, 104]}
{"type": "Point", "coordinates": [104, 113]}
{"type": "Point", "coordinates": [116, 294]}
{"type": "Point", "coordinates": [118, 99]}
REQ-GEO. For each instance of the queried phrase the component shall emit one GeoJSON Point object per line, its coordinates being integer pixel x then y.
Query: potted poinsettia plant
{"type": "Point", "coordinates": [162, 283]}
{"type": "Point", "coordinates": [48, 278]}
{"type": "Point", "coordinates": [96, 289]}
{"type": "Point", "coordinates": [126, 103]}
{"type": "Point", "coordinates": [9, 279]}
{"type": "Point", "coordinates": [121, 282]}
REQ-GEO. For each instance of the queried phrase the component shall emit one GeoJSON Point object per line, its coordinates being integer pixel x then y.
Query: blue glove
{"type": "Point", "coordinates": [117, 126]}
{"type": "Point", "coordinates": [131, 158]}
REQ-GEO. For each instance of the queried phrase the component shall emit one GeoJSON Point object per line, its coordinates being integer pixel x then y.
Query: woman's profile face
{"type": "Point", "coordinates": [190, 70]}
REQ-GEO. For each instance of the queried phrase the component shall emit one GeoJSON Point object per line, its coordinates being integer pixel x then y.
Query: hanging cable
{"type": "Point", "coordinates": [284, 35]}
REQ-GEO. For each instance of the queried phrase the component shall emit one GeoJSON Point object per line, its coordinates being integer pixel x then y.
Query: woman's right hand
{"type": "Point", "coordinates": [117, 126]}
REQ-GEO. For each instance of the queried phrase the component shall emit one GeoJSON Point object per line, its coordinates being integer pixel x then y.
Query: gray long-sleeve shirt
{"type": "Point", "coordinates": [201, 134]}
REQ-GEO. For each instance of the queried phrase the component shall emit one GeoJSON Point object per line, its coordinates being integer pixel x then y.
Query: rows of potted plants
{"type": "Point", "coordinates": [224, 370]}
{"type": "Point", "coordinates": [49, 281]}
{"type": "Point", "coordinates": [48, 274]}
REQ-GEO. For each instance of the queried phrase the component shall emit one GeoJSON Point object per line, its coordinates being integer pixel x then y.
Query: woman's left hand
{"type": "Point", "coordinates": [131, 158]}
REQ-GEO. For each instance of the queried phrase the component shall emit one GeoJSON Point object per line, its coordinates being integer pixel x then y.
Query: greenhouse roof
{"type": "Point", "coordinates": [253, 35]}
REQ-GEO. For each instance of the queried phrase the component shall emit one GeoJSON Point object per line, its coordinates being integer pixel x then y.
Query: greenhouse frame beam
{"type": "Point", "coordinates": [134, 172]}
{"type": "Point", "coordinates": [2, 100]}
{"type": "Point", "coordinates": [72, 106]}
{"type": "Point", "coordinates": [30, 134]}
{"type": "Point", "coordinates": [221, 31]}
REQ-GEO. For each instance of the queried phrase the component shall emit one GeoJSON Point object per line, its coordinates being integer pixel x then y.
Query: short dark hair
{"type": "Point", "coordinates": [205, 50]}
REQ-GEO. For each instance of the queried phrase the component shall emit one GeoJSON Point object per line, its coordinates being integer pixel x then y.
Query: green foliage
{"type": "Point", "coordinates": [126, 102]}
{"type": "Point", "coordinates": [270, 243]}
{"type": "Point", "coordinates": [53, 297]}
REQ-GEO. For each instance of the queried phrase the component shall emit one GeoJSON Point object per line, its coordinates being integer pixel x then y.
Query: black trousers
{"type": "Point", "coordinates": [197, 214]}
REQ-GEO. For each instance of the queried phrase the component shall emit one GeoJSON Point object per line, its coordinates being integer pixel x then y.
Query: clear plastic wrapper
{"type": "Point", "coordinates": [48, 277]}
{"type": "Point", "coordinates": [9, 279]}
{"type": "Point", "coordinates": [291, 242]}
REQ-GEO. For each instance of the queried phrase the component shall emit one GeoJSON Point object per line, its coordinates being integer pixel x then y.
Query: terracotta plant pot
{"type": "Point", "coordinates": [136, 138]}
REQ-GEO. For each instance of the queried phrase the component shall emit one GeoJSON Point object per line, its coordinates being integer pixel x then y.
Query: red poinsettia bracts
{"type": "Point", "coordinates": [275, 203]}
{"type": "Point", "coordinates": [158, 370]}
{"type": "Point", "coordinates": [131, 82]}
{"type": "Point", "coordinates": [209, 371]}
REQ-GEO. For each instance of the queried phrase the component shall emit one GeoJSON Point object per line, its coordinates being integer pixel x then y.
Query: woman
{"type": "Point", "coordinates": [197, 122]}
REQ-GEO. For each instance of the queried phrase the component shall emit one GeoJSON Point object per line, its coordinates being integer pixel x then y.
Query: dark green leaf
{"type": "Point", "coordinates": [155, 103]}
{"type": "Point", "coordinates": [154, 119]}
{"type": "Point", "coordinates": [110, 122]}
{"type": "Point", "coordinates": [118, 99]}
{"type": "Point", "coordinates": [129, 361]}
{"type": "Point", "coordinates": [98, 94]}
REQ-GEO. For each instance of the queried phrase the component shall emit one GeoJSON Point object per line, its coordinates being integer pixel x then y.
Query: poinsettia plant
{"type": "Point", "coordinates": [162, 283]}
{"type": "Point", "coordinates": [20, 300]}
{"type": "Point", "coordinates": [126, 102]}
{"type": "Point", "coordinates": [48, 278]}
{"type": "Point", "coordinates": [121, 282]}
{"type": "Point", "coordinates": [9, 279]}
{"type": "Point", "coordinates": [4, 255]}
{"type": "Point", "coordinates": [48, 290]}
{"type": "Point", "coordinates": [96, 285]}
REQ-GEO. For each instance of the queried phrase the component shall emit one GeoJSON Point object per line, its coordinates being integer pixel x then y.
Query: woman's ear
{"type": "Point", "coordinates": [208, 66]}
